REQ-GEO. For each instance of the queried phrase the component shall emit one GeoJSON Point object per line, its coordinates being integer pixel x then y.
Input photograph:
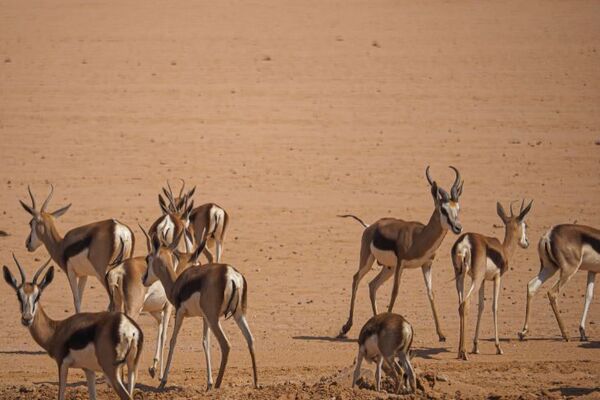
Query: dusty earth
{"type": "Point", "coordinates": [286, 114]}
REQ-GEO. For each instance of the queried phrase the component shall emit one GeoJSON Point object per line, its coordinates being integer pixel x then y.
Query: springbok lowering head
{"type": "Point", "coordinates": [101, 342]}
{"type": "Point", "coordinates": [383, 339]}
{"type": "Point", "coordinates": [484, 258]}
{"type": "Point", "coordinates": [397, 244]}
{"type": "Point", "coordinates": [209, 291]}
{"type": "Point", "coordinates": [88, 250]}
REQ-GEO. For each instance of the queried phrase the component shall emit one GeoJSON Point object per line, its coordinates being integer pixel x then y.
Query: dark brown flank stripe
{"type": "Point", "coordinates": [591, 241]}
{"type": "Point", "coordinates": [75, 248]}
{"type": "Point", "coordinates": [188, 290]}
{"type": "Point", "coordinates": [383, 243]}
{"type": "Point", "coordinates": [497, 259]}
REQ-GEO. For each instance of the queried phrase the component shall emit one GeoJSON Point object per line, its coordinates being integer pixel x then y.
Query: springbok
{"type": "Point", "coordinates": [397, 244]}
{"type": "Point", "coordinates": [383, 338]}
{"type": "Point", "coordinates": [209, 291]}
{"type": "Point", "coordinates": [173, 222]}
{"type": "Point", "coordinates": [565, 248]}
{"type": "Point", "coordinates": [129, 295]}
{"type": "Point", "coordinates": [484, 258]}
{"type": "Point", "coordinates": [88, 250]}
{"type": "Point", "coordinates": [102, 341]}
{"type": "Point", "coordinates": [207, 222]}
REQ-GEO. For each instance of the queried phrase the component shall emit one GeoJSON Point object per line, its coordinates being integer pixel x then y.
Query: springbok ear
{"type": "Point", "coordinates": [444, 196]}
{"type": "Point", "coordinates": [523, 213]}
{"type": "Point", "coordinates": [48, 278]}
{"type": "Point", "coordinates": [501, 212]}
{"type": "Point", "coordinates": [61, 211]}
{"type": "Point", "coordinates": [155, 243]}
{"type": "Point", "coordinates": [27, 208]}
{"type": "Point", "coordinates": [9, 278]}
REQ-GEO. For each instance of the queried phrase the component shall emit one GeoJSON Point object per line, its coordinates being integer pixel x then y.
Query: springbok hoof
{"type": "Point", "coordinates": [582, 336]}
{"type": "Point", "coordinates": [442, 338]}
{"type": "Point", "coordinates": [209, 387]}
{"type": "Point", "coordinates": [499, 351]}
{"type": "Point", "coordinates": [152, 372]}
{"type": "Point", "coordinates": [522, 335]}
{"type": "Point", "coordinates": [162, 385]}
{"type": "Point", "coordinates": [475, 350]}
{"type": "Point", "coordinates": [462, 355]}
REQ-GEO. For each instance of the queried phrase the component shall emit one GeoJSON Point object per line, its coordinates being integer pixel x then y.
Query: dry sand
{"type": "Point", "coordinates": [287, 113]}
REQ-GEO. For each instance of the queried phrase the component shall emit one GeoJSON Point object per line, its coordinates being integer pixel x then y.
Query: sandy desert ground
{"type": "Point", "coordinates": [287, 113]}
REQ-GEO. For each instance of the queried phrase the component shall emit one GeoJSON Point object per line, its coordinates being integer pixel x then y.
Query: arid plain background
{"type": "Point", "coordinates": [286, 114]}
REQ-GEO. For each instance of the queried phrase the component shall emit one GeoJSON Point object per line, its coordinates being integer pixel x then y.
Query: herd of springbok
{"type": "Point", "coordinates": [171, 277]}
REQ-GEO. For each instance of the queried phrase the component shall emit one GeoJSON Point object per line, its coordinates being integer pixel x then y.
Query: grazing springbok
{"type": "Point", "coordinates": [398, 244]}
{"type": "Point", "coordinates": [88, 250]}
{"type": "Point", "coordinates": [94, 342]}
{"type": "Point", "coordinates": [209, 291]}
{"type": "Point", "coordinates": [484, 258]}
{"type": "Point", "coordinates": [129, 295]}
{"type": "Point", "coordinates": [565, 248]}
{"type": "Point", "coordinates": [383, 338]}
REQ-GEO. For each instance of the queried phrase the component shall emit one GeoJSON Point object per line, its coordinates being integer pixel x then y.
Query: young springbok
{"type": "Point", "coordinates": [129, 295]}
{"type": "Point", "coordinates": [209, 291]}
{"type": "Point", "coordinates": [484, 258]}
{"type": "Point", "coordinates": [568, 249]}
{"type": "Point", "coordinates": [383, 338]}
{"type": "Point", "coordinates": [398, 245]}
{"type": "Point", "coordinates": [102, 341]}
{"type": "Point", "coordinates": [88, 250]}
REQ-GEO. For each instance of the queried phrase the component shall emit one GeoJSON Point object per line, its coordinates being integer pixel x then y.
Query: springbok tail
{"type": "Point", "coordinates": [360, 221]}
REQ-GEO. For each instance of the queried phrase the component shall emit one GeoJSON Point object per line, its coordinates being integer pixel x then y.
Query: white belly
{"type": "Point", "coordinates": [371, 348]}
{"type": "Point", "coordinates": [590, 259]}
{"type": "Point", "coordinates": [84, 358]}
{"type": "Point", "coordinates": [81, 264]}
{"type": "Point", "coordinates": [191, 306]}
{"type": "Point", "coordinates": [384, 257]}
{"type": "Point", "coordinates": [491, 270]}
{"type": "Point", "coordinates": [155, 298]}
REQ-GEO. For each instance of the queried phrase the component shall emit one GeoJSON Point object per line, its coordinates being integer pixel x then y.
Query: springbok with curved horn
{"type": "Point", "coordinates": [397, 245]}
{"type": "Point", "coordinates": [101, 342]}
{"type": "Point", "coordinates": [209, 291]}
{"type": "Point", "coordinates": [129, 295]}
{"type": "Point", "coordinates": [88, 250]}
{"type": "Point", "coordinates": [484, 258]}
{"type": "Point", "coordinates": [566, 248]}
{"type": "Point", "coordinates": [172, 223]}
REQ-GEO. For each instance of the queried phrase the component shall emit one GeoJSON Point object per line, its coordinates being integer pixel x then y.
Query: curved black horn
{"type": "Point", "coordinates": [47, 201]}
{"type": "Point", "coordinates": [39, 271]}
{"type": "Point", "coordinates": [32, 199]}
{"type": "Point", "coordinates": [148, 243]}
{"type": "Point", "coordinates": [20, 269]}
{"type": "Point", "coordinates": [182, 187]}
{"type": "Point", "coordinates": [455, 185]}
{"type": "Point", "coordinates": [428, 176]}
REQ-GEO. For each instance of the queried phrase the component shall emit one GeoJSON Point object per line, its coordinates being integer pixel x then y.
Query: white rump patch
{"type": "Point", "coordinates": [122, 232]}
{"type": "Point", "coordinates": [216, 221]}
{"type": "Point", "coordinates": [233, 277]}
{"type": "Point", "coordinates": [128, 335]}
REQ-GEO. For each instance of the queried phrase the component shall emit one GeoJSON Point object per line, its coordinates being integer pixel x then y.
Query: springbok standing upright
{"type": "Point", "coordinates": [398, 244]}
{"type": "Point", "coordinates": [129, 295]}
{"type": "Point", "coordinates": [173, 222]}
{"type": "Point", "coordinates": [88, 250]}
{"type": "Point", "coordinates": [209, 291]}
{"type": "Point", "coordinates": [484, 258]}
{"type": "Point", "coordinates": [102, 341]}
{"type": "Point", "coordinates": [565, 248]}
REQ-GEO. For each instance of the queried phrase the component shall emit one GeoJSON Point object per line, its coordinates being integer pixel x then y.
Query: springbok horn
{"type": "Point", "coordinates": [39, 271]}
{"type": "Point", "coordinates": [428, 176]}
{"type": "Point", "coordinates": [148, 243]}
{"type": "Point", "coordinates": [455, 185]}
{"type": "Point", "coordinates": [47, 201]}
{"type": "Point", "coordinates": [32, 199]}
{"type": "Point", "coordinates": [20, 269]}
